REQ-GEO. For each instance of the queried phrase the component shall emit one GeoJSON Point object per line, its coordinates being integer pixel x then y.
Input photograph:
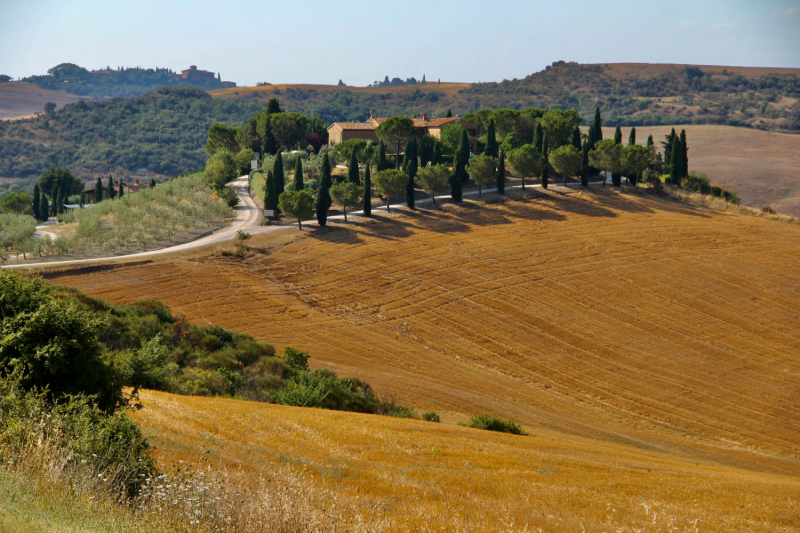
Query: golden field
{"type": "Point", "coordinates": [625, 331]}
{"type": "Point", "coordinates": [19, 99]}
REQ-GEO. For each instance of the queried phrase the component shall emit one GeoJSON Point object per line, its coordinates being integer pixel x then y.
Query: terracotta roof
{"type": "Point", "coordinates": [374, 122]}
{"type": "Point", "coordinates": [353, 125]}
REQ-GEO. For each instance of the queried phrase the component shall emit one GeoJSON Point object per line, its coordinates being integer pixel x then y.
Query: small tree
{"type": "Point", "coordinates": [448, 114]}
{"type": "Point", "coordinates": [635, 159]}
{"type": "Point", "coordinates": [606, 157]}
{"type": "Point", "coordinates": [481, 170]}
{"type": "Point", "coordinates": [220, 169]}
{"type": "Point", "coordinates": [16, 202]}
{"type": "Point", "coordinates": [501, 173]}
{"type": "Point", "coordinates": [152, 182]}
{"type": "Point", "coordinates": [346, 194]}
{"type": "Point", "coordinates": [324, 194]}
{"type": "Point", "coordinates": [297, 204]}
{"type": "Point", "coordinates": [241, 236]}
{"type": "Point", "coordinates": [566, 160]}
{"type": "Point", "coordinates": [526, 162]}
{"type": "Point", "coordinates": [395, 131]}
{"type": "Point", "coordinates": [491, 141]}
{"type": "Point", "coordinates": [433, 178]}
{"type": "Point", "coordinates": [367, 192]}
{"type": "Point", "coordinates": [298, 175]}
{"type": "Point", "coordinates": [389, 183]}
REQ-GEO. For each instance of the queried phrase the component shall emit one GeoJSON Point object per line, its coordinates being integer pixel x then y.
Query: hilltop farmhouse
{"type": "Point", "coordinates": [344, 131]}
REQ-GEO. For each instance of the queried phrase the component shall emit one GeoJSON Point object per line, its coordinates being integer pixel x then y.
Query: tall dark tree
{"type": "Point", "coordinates": [152, 182]}
{"type": "Point", "coordinates": [448, 114]}
{"type": "Point", "coordinates": [298, 175]}
{"type": "Point", "coordinates": [352, 170]}
{"type": "Point", "coordinates": [650, 143]}
{"type": "Point", "coordinates": [44, 207]}
{"type": "Point", "coordinates": [55, 197]}
{"type": "Point", "coordinates": [632, 137]}
{"type": "Point", "coordinates": [278, 180]}
{"type": "Point", "coordinates": [324, 195]}
{"type": "Point", "coordinates": [545, 177]}
{"type": "Point", "coordinates": [669, 140]}
{"type": "Point", "coordinates": [410, 166]}
{"type": "Point", "coordinates": [35, 203]}
{"type": "Point", "coordinates": [98, 191]}
{"type": "Point", "coordinates": [491, 141]}
{"type": "Point", "coordinates": [538, 135]}
{"type": "Point", "coordinates": [436, 159]}
{"type": "Point", "coordinates": [596, 129]}
{"type": "Point", "coordinates": [110, 191]}
{"type": "Point", "coordinates": [121, 192]}
{"type": "Point", "coordinates": [585, 168]}
{"type": "Point", "coordinates": [268, 142]}
{"type": "Point", "coordinates": [270, 200]}
{"type": "Point", "coordinates": [367, 192]}
{"type": "Point", "coordinates": [576, 138]}
{"type": "Point", "coordinates": [383, 164]}
{"type": "Point", "coordinates": [463, 153]}
{"type": "Point", "coordinates": [501, 172]}
{"type": "Point", "coordinates": [273, 106]}
{"type": "Point", "coordinates": [616, 177]}
{"type": "Point", "coordinates": [685, 159]}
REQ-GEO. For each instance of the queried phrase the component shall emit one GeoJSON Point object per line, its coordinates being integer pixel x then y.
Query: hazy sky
{"type": "Point", "coordinates": [363, 41]}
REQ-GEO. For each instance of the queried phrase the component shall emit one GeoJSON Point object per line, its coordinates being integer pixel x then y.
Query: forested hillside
{"type": "Point", "coordinates": [629, 94]}
{"type": "Point", "coordinates": [162, 132]}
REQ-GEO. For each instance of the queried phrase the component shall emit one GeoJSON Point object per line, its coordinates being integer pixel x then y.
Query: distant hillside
{"type": "Point", "coordinates": [107, 83]}
{"type": "Point", "coordinates": [629, 94]}
{"type": "Point", "coordinates": [22, 99]}
{"type": "Point", "coordinates": [162, 133]}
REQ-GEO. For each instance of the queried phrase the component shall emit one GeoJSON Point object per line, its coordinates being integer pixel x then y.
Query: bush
{"type": "Point", "coordinates": [493, 423]}
{"type": "Point", "coordinates": [430, 417]}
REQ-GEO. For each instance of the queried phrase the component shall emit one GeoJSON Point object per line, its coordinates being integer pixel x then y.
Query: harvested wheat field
{"type": "Point", "coordinates": [608, 314]}
{"type": "Point", "coordinates": [377, 473]}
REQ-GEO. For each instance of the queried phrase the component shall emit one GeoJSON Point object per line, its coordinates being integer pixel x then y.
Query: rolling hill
{"type": "Point", "coordinates": [19, 99]}
{"type": "Point", "coordinates": [606, 314]}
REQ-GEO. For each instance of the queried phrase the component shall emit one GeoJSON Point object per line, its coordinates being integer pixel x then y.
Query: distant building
{"type": "Point", "coordinates": [344, 131]}
{"type": "Point", "coordinates": [88, 194]}
{"type": "Point", "coordinates": [192, 74]}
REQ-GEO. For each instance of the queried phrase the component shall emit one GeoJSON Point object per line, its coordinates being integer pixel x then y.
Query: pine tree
{"type": "Point", "coordinates": [152, 182]}
{"type": "Point", "coordinates": [98, 191]}
{"type": "Point", "coordinates": [120, 189]}
{"type": "Point", "coordinates": [110, 188]}
{"type": "Point", "coordinates": [437, 154]}
{"type": "Point", "coordinates": [324, 196]}
{"type": "Point", "coordinates": [410, 166]}
{"type": "Point", "coordinates": [501, 173]}
{"type": "Point", "coordinates": [36, 201]}
{"type": "Point", "coordinates": [463, 152]}
{"type": "Point", "coordinates": [537, 137]}
{"type": "Point", "coordinates": [448, 114]}
{"type": "Point", "coordinates": [491, 141]}
{"type": "Point", "coordinates": [383, 164]}
{"type": "Point", "coordinates": [298, 175]}
{"type": "Point", "coordinates": [278, 181]}
{"type": "Point", "coordinates": [367, 192]}
{"type": "Point", "coordinates": [545, 177]}
{"type": "Point", "coordinates": [268, 143]}
{"type": "Point", "coordinates": [576, 138]}
{"type": "Point", "coordinates": [44, 207]}
{"type": "Point", "coordinates": [352, 170]}
{"type": "Point", "coordinates": [616, 177]}
{"type": "Point", "coordinates": [632, 137]}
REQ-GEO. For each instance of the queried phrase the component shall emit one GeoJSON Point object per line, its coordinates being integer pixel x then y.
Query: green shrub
{"type": "Point", "coordinates": [295, 358]}
{"type": "Point", "coordinates": [493, 423]}
{"type": "Point", "coordinates": [430, 417]}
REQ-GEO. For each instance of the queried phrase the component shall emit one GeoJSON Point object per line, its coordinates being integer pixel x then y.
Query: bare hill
{"type": "Point", "coordinates": [604, 314]}
{"type": "Point", "coordinates": [21, 99]}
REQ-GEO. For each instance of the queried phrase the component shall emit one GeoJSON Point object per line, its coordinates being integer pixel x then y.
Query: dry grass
{"type": "Point", "coordinates": [634, 319]}
{"type": "Point", "coordinates": [21, 99]}
{"type": "Point", "coordinates": [759, 165]}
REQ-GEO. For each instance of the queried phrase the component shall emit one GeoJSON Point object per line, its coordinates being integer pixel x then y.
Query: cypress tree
{"type": "Point", "coordinates": [273, 106]}
{"type": "Point", "coordinates": [463, 153]}
{"type": "Point", "coordinates": [278, 181]}
{"type": "Point", "coordinates": [596, 129]}
{"type": "Point", "coordinates": [545, 177]}
{"type": "Point", "coordinates": [675, 161]}
{"type": "Point", "coordinates": [110, 188]}
{"type": "Point", "coordinates": [684, 156]}
{"type": "Point", "coordinates": [298, 175]}
{"type": "Point", "coordinates": [501, 173]}
{"type": "Point", "coordinates": [269, 192]}
{"type": "Point", "coordinates": [120, 188]}
{"type": "Point", "coordinates": [382, 163]}
{"type": "Point", "coordinates": [650, 143]}
{"type": "Point", "coordinates": [576, 138]}
{"type": "Point", "coordinates": [56, 194]}
{"type": "Point", "coordinates": [44, 207]}
{"type": "Point", "coordinates": [98, 191]}
{"type": "Point", "coordinates": [367, 192]}
{"type": "Point", "coordinates": [668, 149]}
{"type": "Point", "coordinates": [437, 153]}
{"type": "Point", "coordinates": [410, 167]}
{"type": "Point", "coordinates": [448, 114]}
{"type": "Point", "coordinates": [616, 177]}
{"type": "Point", "coordinates": [152, 182]}
{"type": "Point", "coordinates": [632, 137]}
{"type": "Point", "coordinates": [324, 196]}
{"type": "Point", "coordinates": [585, 164]}
{"type": "Point", "coordinates": [537, 136]}
{"type": "Point", "coordinates": [81, 202]}
{"type": "Point", "coordinates": [268, 144]}
{"type": "Point", "coordinates": [491, 141]}
{"type": "Point", "coordinates": [36, 201]}
{"type": "Point", "coordinates": [455, 181]}
{"type": "Point", "coordinates": [352, 171]}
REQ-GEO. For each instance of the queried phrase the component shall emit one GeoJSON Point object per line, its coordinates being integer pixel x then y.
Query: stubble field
{"type": "Point", "coordinates": [645, 325]}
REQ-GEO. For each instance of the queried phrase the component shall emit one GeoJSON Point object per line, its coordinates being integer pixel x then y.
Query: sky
{"type": "Point", "coordinates": [359, 41]}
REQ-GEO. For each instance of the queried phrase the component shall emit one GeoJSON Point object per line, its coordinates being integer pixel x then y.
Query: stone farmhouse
{"type": "Point", "coordinates": [344, 131]}
{"type": "Point", "coordinates": [88, 194]}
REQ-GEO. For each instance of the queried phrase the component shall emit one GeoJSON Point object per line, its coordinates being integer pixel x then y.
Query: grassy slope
{"type": "Point", "coordinates": [20, 99]}
{"type": "Point", "coordinates": [610, 315]}
{"type": "Point", "coordinates": [760, 166]}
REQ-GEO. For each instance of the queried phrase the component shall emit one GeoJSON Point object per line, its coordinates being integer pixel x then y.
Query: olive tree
{"type": "Point", "coordinates": [481, 170]}
{"type": "Point", "coordinates": [566, 160]}
{"type": "Point", "coordinates": [346, 194]}
{"type": "Point", "coordinates": [433, 179]}
{"type": "Point", "coordinates": [526, 162]}
{"type": "Point", "coordinates": [390, 183]}
{"type": "Point", "coordinates": [606, 156]}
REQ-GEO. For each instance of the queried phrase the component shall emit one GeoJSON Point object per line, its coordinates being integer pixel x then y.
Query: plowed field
{"type": "Point", "coordinates": [604, 314]}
